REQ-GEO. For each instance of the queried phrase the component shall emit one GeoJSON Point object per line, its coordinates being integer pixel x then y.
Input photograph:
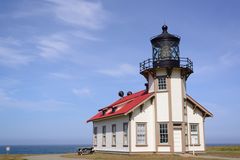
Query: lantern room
{"type": "Point", "coordinates": [165, 49]}
{"type": "Point", "coordinates": [166, 54]}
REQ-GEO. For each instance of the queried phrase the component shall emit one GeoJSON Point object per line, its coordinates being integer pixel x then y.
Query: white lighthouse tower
{"type": "Point", "coordinates": [166, 73]}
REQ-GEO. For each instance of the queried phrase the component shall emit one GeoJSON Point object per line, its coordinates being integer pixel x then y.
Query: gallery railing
{"type": "Point", "coordinates": [183, 63]}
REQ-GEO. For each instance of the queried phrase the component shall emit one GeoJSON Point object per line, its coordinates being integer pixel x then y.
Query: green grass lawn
{"type": "Point", "coordinates": [224, 151]}
{"type": "Point", "coordinates": [102, 156]}
{"type": "Point", "coordinates": [12, 157]}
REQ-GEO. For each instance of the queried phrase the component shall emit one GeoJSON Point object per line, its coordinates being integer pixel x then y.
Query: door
{"type": "Point", "coordinates": [177, 139]}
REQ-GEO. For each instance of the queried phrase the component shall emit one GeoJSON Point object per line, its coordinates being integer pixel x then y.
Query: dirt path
{"type": "Point", "coordinates": [50, 157]}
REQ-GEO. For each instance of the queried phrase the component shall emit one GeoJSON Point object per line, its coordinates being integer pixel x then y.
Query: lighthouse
{"type": "Point", "coordinates": [160, 118]}
{"type": "Point", "coordinates": [166, 73]}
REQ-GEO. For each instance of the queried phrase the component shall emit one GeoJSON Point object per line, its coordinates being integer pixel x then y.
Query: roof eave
{"type": "Point", "coordinates": [208, 113]}
{"type": "Point", "coordinates": [104, 118]}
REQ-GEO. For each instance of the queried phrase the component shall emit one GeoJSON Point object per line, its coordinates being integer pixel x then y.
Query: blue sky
{"type": "Point", "coordinates": [61, 60]}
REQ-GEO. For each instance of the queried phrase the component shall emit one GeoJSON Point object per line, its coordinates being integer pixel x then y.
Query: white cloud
{"type": "Point", "coordinates": [7, 101]}
{"type": "Point", "coordinates": [87, 14]}
{"type": "Point", "coordinates": [53, 46]}
{"type": "Point", "coordinates": [82, 92]}
{"type": "Point", "coordinates": [13, 57]}
{"type": "Point", "coordinates": [9, 41]}
{"type": "Point", "coordinates": [13, 53]}
{"type": "Point", "coordinates": [85, 36]}
{"type": "Point", "coordinates": [3, 95]}
{"type": "Point", "coordinates": [80, 14]}
{"type": "Point", "coordinates": [121, 70]}
{"type": "Point", "coordinates": [61, 75]}
{"type": "Point", "coordinates": [230, 59]}
{"type": "Point", "coordinates": [223, 62]}
{"type": "Point", "coordinates": [32, 11]}
{"type": "Point", "coordinates": [61, 45]}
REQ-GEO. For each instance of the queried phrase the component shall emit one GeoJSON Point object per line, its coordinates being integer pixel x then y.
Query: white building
{"type": "Point", "coordinates": [162, 118]}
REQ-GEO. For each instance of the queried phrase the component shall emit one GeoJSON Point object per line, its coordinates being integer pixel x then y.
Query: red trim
{"type": "Point", "coordinates": [128, 102]}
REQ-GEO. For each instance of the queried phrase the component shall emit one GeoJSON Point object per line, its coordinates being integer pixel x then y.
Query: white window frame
{"type": "Point", "coordinates": [95, 136]}
{"type": "Point", "coordinates": [125, 134]}
{"type": "Point", "coordinates": [162, 83]}
{"type": "Point", "coordinates": [194, 132]}
{"type": "Point", "coordinates": [114, 138]}
{"type": "Point", "coordinates": [163, 133]}
{"type": "Point", "coordinates": [103, 136]}
{"type": "Point", "coordinates": [141, 134]}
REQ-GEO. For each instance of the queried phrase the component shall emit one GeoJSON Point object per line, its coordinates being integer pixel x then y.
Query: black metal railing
{"type": "Point", "coordinates": [184, 63]}
{"type": "Point", "coordinates": [147, 64]}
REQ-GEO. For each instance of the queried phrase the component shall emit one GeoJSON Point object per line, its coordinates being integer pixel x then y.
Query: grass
{"type": "Point", "coordinates": [102, 156]}
{"type": "Point", "coordinates": [221, 151]}
{"type": "Point", "coordinates": [12, 157]}
{"type": "Point", "coordinates": [224, 151]}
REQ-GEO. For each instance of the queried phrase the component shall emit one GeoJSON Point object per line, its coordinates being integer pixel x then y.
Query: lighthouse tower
{"type": "Point", "coordinates": [166, 73]}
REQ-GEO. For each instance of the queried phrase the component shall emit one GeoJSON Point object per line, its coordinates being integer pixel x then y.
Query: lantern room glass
{"type": "Point", "coordinates": [166, 50]}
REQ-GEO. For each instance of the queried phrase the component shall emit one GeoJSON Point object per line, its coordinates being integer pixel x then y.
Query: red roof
{"type": "Point", "coordinates": [123, 105]}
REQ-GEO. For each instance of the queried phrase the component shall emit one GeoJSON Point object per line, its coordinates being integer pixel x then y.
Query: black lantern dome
{"type": "Point", "coordinates": [165, 54]}
{"type": "Point", "coordinates": [165, 49]}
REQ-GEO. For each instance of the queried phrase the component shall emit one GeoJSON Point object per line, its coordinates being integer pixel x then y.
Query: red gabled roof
{"type": "Point", "coordinates": [125, 104]}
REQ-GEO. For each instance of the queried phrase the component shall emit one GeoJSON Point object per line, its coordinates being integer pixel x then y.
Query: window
{"type": "Point", "coordinates": [104, 112]}
{"type": "Point", "coordinates": [114, 109]}
{"type": "Point", "coordinates": [103, 136]}
{"type": "Point", "coordinates": [194, 134]}
{"type": "Point", "coordinates": [141, 134]}
{"type": "Point", "coordinates": [162, 85]}
{"type": "Point", "coordinates": [141, 108]}
{"type": "Point", "coordinates": [95, 136]}
{"type": "Point", "coordinates": [114, 135]}
{"type": "Point", "coordinates": [125, 134]}
{"type": "Point", "coordinates": [163, 132]}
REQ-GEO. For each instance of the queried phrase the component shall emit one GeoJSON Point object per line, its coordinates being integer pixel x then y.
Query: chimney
{"type": "Point", "coordinates": [146, 85]}
{"type": "Point", "coordinates": [129, 93]}
{"type": "Point", "coordinates": [121, 94]}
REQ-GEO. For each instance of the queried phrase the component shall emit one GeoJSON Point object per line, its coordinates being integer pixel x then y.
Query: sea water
{"type": "Point", "coordinates": [41, 149]}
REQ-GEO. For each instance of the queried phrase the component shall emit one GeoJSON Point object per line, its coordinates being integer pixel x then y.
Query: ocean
{"type": "Point", "coordinates": [41, 149]}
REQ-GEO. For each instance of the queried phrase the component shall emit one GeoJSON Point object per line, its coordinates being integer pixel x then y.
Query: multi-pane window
{"type": "Point", "coordinates": [114, 135]}
{"type": "Point", "coordinates": [163, 132]}
{"type": "Point", "coordinates": [95, 136]}
{"type": "Point", "coordinates": [162, 85]}
{"type": "Point", "coordinates": [194, 134]}
{"type": "Point", "coordinates": [125, 134]}
{"type": "Point", "coordinates": [104, 136]}
{"type": "Point", "coordinates": [141, 134]}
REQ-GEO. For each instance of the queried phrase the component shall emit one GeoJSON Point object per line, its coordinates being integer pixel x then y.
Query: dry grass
{"type": "Point", "coordinates": [221, 151]}
{"type": "Point", "coordinates": [224, 151]}
{"type": "Point", "coordinates": [102, 156]}
{"type": "Point", "coordinates": [12, 157]}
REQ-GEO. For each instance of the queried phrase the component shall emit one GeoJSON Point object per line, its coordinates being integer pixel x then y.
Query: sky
{"type": "Point", "coordinates": [60, 61]}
